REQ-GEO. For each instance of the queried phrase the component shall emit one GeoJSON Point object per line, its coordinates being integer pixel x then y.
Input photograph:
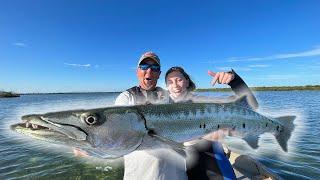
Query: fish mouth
{"type": "Point", "coordinates": [36, 126]}
{"type": "Point", "coordinates": [33, 128]}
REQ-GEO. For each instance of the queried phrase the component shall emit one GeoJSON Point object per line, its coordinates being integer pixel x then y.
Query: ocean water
{"type": "Point", "coordinates": [25, 158]}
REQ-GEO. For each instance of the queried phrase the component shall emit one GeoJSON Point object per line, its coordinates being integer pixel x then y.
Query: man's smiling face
{"type": "Point", "coordinates": [148, 78]}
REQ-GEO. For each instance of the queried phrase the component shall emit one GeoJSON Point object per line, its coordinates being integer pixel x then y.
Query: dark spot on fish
{"type": "Point", "coordinates": [200, 125]}
{"type": "Point", "coordinates": [204, 126]}
{"type": "Point", "coordinates": [243, 125]}
{"type": "Point", "coordinates": [218, 126]}
{"type": "Point", "coordinates": [234, 128]}
{"type": "Point", "coordinates": [266, 124]}
{"type": "Point", "coordinates": [277, 128]}
{"type": "Point", "coordinates": [151, 132]}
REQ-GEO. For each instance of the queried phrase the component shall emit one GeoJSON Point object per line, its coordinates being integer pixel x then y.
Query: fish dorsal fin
{"type": "Point", "coordinates": [285, 132]}
{"type": "Point", "coordinates": [252, 141]}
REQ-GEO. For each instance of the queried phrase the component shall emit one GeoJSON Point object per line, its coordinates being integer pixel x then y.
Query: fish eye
{"type": "Point", "coordinates": [91, 120]}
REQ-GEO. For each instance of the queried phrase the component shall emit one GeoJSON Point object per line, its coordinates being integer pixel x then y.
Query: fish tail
{"type": "Point", "coordinates": [284, 133]}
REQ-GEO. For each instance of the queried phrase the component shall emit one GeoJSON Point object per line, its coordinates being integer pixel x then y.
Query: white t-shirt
{"type": "Point", "coordinates": [125, 99]}
{"type": "Point", "coordinates": [153, 164]}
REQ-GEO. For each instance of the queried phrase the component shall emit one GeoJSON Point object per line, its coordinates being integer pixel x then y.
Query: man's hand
{"type": "Point", "coordinates": [79, 153]}
{"type": "Point", "coordinates": [221, 77]}
{"type": "Point", "coordinates": [218, 135]}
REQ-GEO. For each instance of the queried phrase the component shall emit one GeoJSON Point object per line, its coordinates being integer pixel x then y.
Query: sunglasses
{"type": "Point", "coordinates": [153, 67]}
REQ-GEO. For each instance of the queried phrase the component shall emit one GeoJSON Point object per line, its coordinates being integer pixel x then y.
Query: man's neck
{"type": "Point", "coordinates": [142, 89]}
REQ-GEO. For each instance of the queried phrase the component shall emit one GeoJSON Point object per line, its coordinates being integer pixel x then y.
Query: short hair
{"type": "Point", "coordinates": [191, 86]}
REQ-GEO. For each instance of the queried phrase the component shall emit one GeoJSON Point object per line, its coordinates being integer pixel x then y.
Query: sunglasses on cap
{"type": "Point", "coordinates": [153, 67]}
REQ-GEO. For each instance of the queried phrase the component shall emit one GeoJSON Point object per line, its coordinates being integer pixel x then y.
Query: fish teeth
{"type": "Point", "coordinates": [27, 124]}
{"type": "Point", "coordinates": [34, 126]}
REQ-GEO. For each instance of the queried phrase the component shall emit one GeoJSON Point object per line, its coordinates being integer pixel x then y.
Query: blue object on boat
{"type": "Point", "coordinates": [223, 162]}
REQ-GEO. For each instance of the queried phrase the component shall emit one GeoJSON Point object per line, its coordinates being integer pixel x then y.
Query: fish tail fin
{"type": "Point", "coordinates": [284, 135]}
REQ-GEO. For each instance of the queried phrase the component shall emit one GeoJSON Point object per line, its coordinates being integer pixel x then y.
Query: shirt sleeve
{"type": "Point", "coordinates": [124, 99]}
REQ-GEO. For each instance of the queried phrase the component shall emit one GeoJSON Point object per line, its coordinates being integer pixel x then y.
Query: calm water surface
{"type": "Point", "coordinates": [24, 158]}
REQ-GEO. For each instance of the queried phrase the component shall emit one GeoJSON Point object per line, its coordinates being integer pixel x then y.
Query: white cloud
{"type": "Point", "coordinates": [309, 53]}
{"type": "Point", "coordinates": [259, 65]}
{"type": "Point", "coordinates": [19, 44]}
{"type": "Point", "coordinates": [279, 77]}
{"type": "Point", "coordinates": [78, 65]}
{"type": "Point", "coordinates": [224, 68]}
{"type": "Point", "coordinates": [235, 68]}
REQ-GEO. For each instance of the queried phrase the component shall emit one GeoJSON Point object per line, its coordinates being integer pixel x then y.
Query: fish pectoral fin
{"type": "Point", "coordinates": [101, 154]}
{"type": "Point", "coordinates": [176, 146]}
{"type": "Point", "coordinates": [252, 141]}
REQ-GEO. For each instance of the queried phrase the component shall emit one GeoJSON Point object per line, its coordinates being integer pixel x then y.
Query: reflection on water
{"type": "Point", "coordinates": [22, 157]}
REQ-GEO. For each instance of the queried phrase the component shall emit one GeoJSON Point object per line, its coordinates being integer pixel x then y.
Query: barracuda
{"type": "Point", "coordinates": [116, 131]}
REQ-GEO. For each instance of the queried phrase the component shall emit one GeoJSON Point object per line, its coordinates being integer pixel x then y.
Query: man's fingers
{"type": "Point", "coordinates": [79, 153]}
{"type": "Point", "coordinates": [225, 78]}
{"type": "Point", "coordinates": [229, 80]}
{"type": "Point", "coordinates": [221, 75]}
{"type": "Point", "coordinates": [211, 73]}
{"type": "Point", "coordinates": [214, 81]}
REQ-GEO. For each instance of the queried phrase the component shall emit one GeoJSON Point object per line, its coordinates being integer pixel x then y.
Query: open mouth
{"type": "Point", "coordinates": [35, 129]}
{"type": "Point", "coordinates": [38, 131]}
{"type": "Point", "coordinates": [34, 122]}
{"type": "Point", "coordinates": [35, 126]}
{"type": "Point", "coordinates": [38, 125]}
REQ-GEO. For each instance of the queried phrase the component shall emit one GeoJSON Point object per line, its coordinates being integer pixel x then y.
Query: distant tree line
{"type": "Point", "coordinates": [263, 88]}
{"type": "Point", "coordinates": [4, 94]}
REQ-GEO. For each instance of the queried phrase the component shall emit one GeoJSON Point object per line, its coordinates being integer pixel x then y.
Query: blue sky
{"type": "Point", "coordinates": [76, 46]}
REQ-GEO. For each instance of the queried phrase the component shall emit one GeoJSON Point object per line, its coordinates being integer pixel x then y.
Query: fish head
{"type": "Point", "coordinates": [108, 132]}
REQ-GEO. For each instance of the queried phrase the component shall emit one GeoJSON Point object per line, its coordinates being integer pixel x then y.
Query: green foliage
{"type": "Point", "coordinates": [8, 94]}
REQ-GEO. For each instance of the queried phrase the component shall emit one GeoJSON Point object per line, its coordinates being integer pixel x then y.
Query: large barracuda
{"type": "Point", "coordinates": [117, 131]}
